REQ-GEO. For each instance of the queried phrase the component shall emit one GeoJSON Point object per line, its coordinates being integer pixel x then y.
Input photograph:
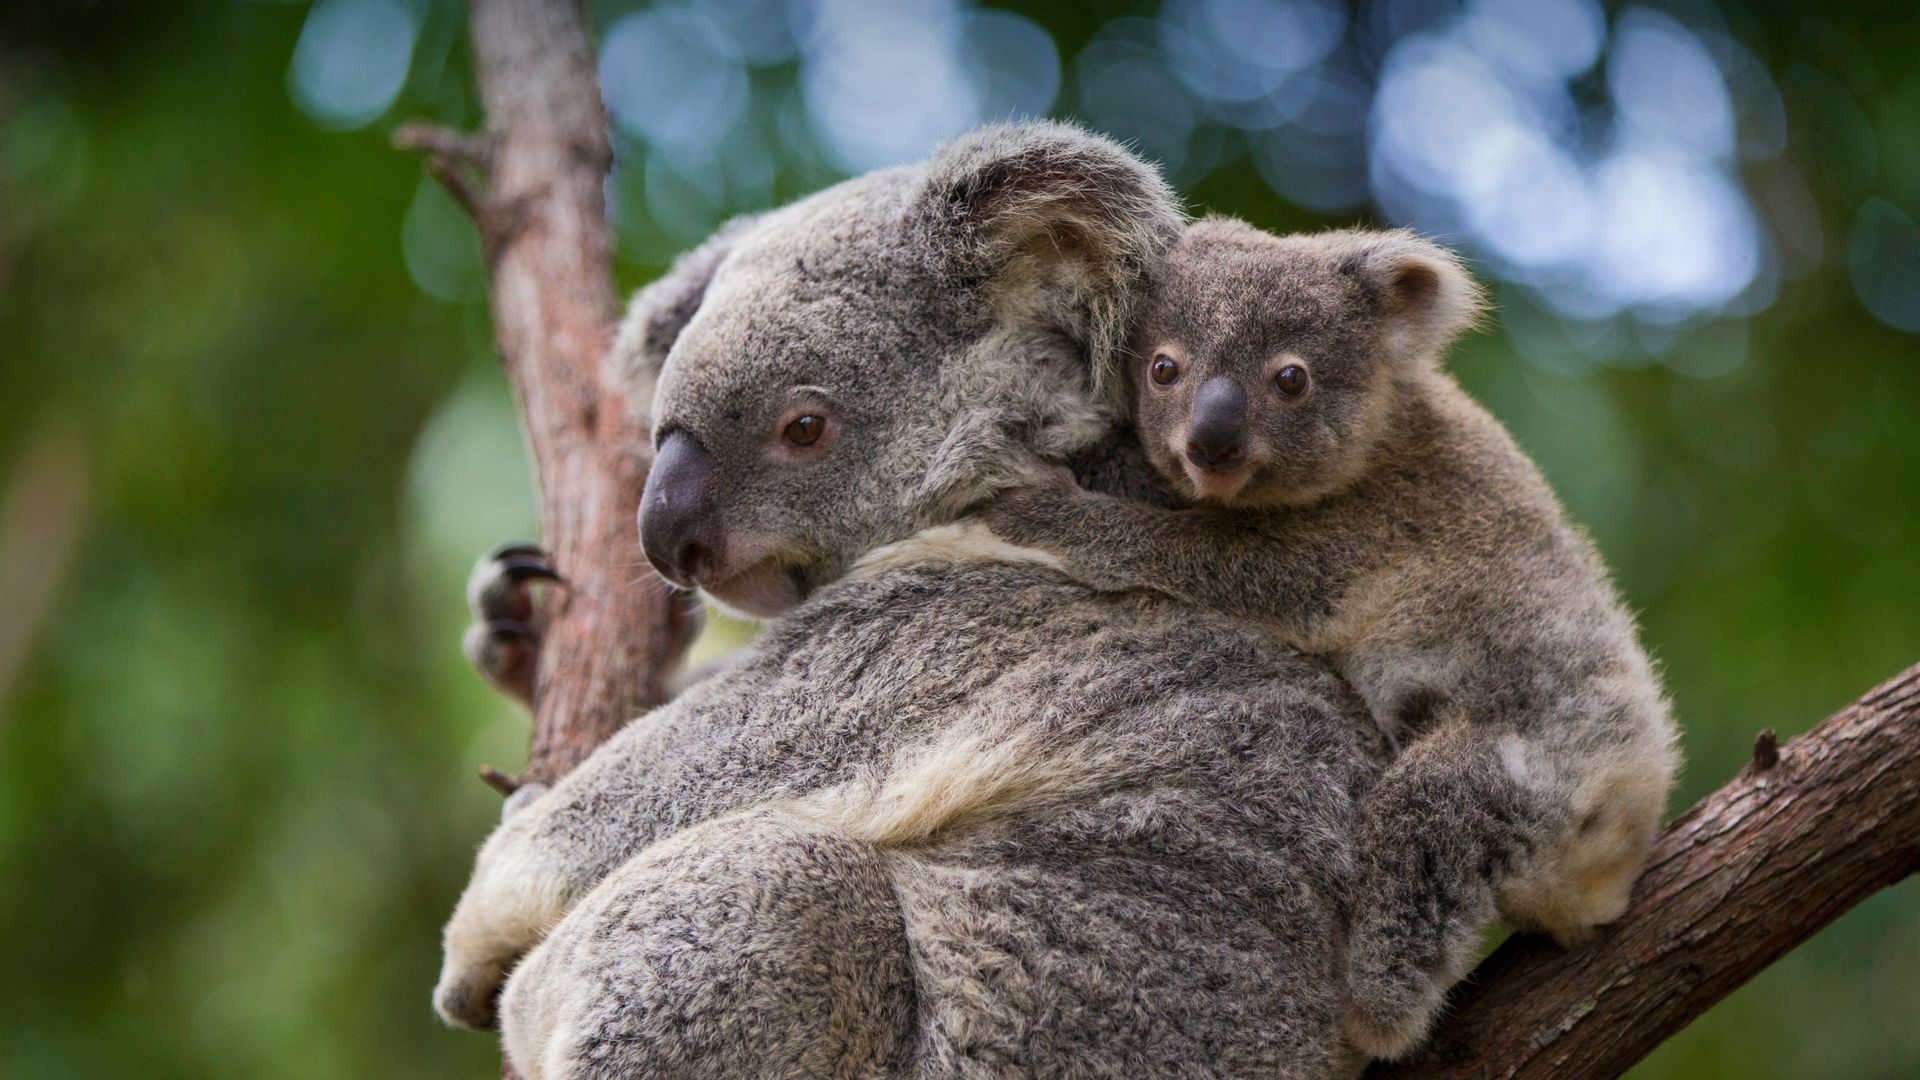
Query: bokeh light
{"type": "Point", "coordinates": [351, 60]}
{"type": "Point", "coordinates": [1884, 257]}
{"type": "Point", "coordinates": [884, 81]}
{"type": "Point", "coordinates": [670, 75]}
{"type": "Point", "coordinates": [1605, 164]}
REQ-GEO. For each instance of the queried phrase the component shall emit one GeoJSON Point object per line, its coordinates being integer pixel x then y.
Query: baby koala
{"type": "Point", "coordinates": [1356, 503]}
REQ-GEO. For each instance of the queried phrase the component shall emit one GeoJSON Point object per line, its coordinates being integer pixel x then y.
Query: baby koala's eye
{"type": "Point", "coordinates": [1291, 381]}
{"type": "Point", "coordinates": [1164, 371]}
{"type": "Point", "coordinates": [804, 431]}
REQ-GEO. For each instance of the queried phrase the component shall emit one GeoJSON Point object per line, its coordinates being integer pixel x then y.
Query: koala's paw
{"type": "Point", "coordinates": [1573, 936]}
{"type": "Point", "coordinates": [469, 997]}
{"type": "Point", "coordinates": [1026, 514]}
{"type": "Point", "coordinates": [1574, 923]}
{"type": "Point", "coordinates": [1389, 1013]}
{"type": "Point", "coordinates": [517, 894]}
{"type": "Point", "coordinates": [1045, 474]}
{"type": "Point", "coordinates": [504, 640]}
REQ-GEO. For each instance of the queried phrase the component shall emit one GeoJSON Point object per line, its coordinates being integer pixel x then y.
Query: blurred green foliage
{"type": "Point", "coordinates": [236, 753]}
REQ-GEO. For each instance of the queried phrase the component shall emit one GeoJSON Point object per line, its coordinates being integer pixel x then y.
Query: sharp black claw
{"type": "Point", "coordinates": [516, 547]}
{"type": "Point", "coordinates": [510, 630]}
{"type": "Point", "coordinates": [519, 568]}
{"type": "Point", "coordinates": [505, 652]}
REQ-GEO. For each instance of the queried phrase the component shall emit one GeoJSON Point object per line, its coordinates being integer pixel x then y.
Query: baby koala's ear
{"type": "Point", "coordinates": [663, 308]}
{"type": "Point", "coordinates": [1425, 294]}
{"type": "Point", "coordinates": [1056, 222]}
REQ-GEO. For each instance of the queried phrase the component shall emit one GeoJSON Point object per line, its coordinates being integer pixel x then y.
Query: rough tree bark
{"type": "Point", "coordinates": [1807, 831]}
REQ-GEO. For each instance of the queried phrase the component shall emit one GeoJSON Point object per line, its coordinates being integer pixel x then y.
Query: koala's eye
{"type": "Point", "coordinates": [804, 431]}
{"type": "Point", "coordinates": [1291, 381]}
{"type": "Point", "coordinates": [1164, 372]}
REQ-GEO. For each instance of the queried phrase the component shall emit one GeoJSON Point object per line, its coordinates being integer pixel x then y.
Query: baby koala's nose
{"type": "Point", "coordinates": [1217, 438]}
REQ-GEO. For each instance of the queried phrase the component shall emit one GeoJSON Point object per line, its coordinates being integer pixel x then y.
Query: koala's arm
{"type": "Point", "coordinates": [1469, 824]}
{"type": "Point", "coordinates": [551, 850]}
{"type": "Point", "coordinates": [1537, 772]}
{"type": "Point", "coordinates": [1249, 564]}
{"type": "Point", "coordinates": [754, 944]}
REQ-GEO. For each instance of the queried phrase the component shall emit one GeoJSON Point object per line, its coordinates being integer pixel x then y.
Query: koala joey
{"type": "Point", "coordinates": [1354, 502]}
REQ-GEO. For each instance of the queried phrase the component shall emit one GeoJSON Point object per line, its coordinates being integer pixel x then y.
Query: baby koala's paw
{"type": "Point", "coordinates": [1573, 921]}
{"type": "Point", "coordinates": [1025, 514]}
{"type": "Point", "coordinates": [480, 953]}
{"type": "Point", "coordinates": [1045, 474]}
{"type": "Point", "coordinates": [1389, 1012]}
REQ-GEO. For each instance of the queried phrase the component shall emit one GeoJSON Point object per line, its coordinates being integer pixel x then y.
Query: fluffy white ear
{"type": "Point", "coordinates": [1424, 291]}
{"type": "Point", "coordinates": [659, 311]}
{"type": "Point", "coordinates": [1058, 224]}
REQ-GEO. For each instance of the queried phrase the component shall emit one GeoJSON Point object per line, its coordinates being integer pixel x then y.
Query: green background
{"type": "Point", "coordinates": [252, 432]}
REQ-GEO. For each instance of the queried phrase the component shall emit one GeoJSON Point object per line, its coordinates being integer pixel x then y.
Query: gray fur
{"type": "Point", "coordinates": [1386, 522]}
{"type": "Point", "coordinates": [1172, 910]}
{"type": "Point", "coordinates": [955, 813]}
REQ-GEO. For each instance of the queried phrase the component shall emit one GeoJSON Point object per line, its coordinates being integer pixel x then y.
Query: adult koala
{"type": "Point", "coordinates": [953, 814]}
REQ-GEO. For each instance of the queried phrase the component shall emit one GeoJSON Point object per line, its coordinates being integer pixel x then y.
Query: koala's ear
{"type": "Point", "coordinates": [662, 309]}
{"type": "Point", "coordinates": [1054, 222]}
{"type": "Point", "coordinates": [1424, 293]}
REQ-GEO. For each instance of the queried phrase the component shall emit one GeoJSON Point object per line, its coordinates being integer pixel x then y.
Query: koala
{"type": "Point", "coordinates": [1355, 503]}
{"type": "Point", "coordinates": [954, 813]}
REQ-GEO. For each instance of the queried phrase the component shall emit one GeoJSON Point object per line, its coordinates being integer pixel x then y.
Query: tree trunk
{"type": "Point", "coordinates": [1803, 834]}
{"type": "Point", "coordinates": [532, 183]}
{"type": "Point", "coordinates": [533, 186]}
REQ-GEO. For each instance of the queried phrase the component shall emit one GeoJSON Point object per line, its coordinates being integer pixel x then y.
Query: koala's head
{"type": "Point", "coordinates": [1267, 365]}
{"type": "Point", "coordinates": [837, 374]}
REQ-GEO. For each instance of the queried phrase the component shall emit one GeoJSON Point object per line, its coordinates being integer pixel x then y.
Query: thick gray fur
{"type": "Point", "coordinates": [1387, 523]}
{"type": "Point", "coordinates": [955, 813]}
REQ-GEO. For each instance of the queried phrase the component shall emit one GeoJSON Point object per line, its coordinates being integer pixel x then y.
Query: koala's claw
{"type": "Point", "coordinates": [497, 588]}
{"type": "Point", "coordinates": [506, 654]}
{"type": "Point", "coordinates": [504, 640]}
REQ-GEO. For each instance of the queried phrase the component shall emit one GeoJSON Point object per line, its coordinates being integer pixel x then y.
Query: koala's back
{"type": "Point", "coordinates": [1475, 585]}
{"type": "Point", "coordinates": [872, 667]}
{"type": "Point", "coordinates": [1116, 828]}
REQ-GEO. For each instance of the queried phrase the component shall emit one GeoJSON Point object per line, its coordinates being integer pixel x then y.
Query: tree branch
{"type": "Point", "coordinates": [457, 160]}
{"type": "Point", "coordinates": [1805, 832]}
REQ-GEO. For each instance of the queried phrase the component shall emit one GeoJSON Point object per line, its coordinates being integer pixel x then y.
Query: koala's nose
{"type": "Point", "coordinates": [1217, 438]}
{"type": "Point", "coordinates": [679, 529]}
